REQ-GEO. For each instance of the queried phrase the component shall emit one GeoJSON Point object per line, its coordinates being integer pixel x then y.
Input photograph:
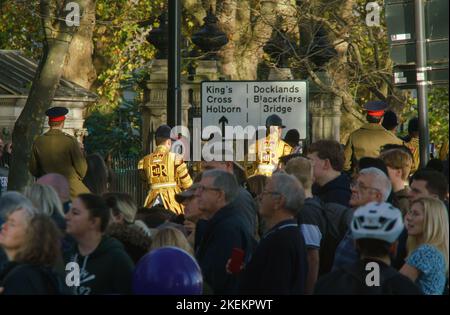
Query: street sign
{"type": "Point", "coordinates": [405, 76]}
{"type": "Point", "coordinates": [249, 103]}
{"type": "Point", "coordinates": [402, 33]}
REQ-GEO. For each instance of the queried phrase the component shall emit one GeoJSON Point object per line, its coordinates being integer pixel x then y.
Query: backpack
{"type": "Point", "coordinates": [337, 222]}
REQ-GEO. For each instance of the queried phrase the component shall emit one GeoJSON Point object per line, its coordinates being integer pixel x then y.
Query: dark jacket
{"type": "Point", "coordinates": [337, 190]}
{"type": "Point", "coordinates": [246, 209]}
{"type": "Point", "coordinates": [3, 259]}
{"type": "Point", "coordinates": [351, 280]}
{"type": "Point", "coordinates": [223, 232]}
{"type": "Point", "coordinates": [323, 226]}
{"type": "Point", "coordinates": [279, 264]}
{"type": "Point", "coordinates": [247, 205]}
{"type": "Point", "coordinates": [27, 279]}
{"type": "Point", "coordinates": [108, 270]}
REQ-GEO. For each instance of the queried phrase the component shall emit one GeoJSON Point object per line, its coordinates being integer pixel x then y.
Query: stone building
{"type": "Point", "coordinates": [16, 76]}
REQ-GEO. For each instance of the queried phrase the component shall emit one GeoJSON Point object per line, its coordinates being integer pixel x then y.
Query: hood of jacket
{"type": "Point", "coordinates": [107, 245]}
{"type": "Point", "coordinates": [342, 182]}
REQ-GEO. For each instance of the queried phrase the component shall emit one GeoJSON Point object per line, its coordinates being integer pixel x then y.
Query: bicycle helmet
{"type": "Point", "coordinates": [379, 221]}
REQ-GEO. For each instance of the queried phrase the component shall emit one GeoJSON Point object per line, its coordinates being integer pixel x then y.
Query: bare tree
{"type": "Point", "coordinates": [248, 25]}
{"type": "Point", "coordinates": [332, 41]}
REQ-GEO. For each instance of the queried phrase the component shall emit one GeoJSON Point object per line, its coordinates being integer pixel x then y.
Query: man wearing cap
{"type": "Point", "coordinates": [165, 172]}
{"type": "Point", "coordinates": [367, 140]}
{"type": "Point", "coordinates": [269, 150]}
{"type": "Point", "coordinates": [58, 152]}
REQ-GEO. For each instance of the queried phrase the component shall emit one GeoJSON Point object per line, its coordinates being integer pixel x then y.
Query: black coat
{"type": "Point", "coordinates": [224, 231]}
{"type": "Point", "coordinates": [27, 279]}
{"type": "Point", "coordinates": [279, 264]}
{"type": "Point", "coordinates": [337, 190]}
{"type": "Point", "coordinates": [351, 280]}
{"type": "Point", "coordinates": [107, 270]}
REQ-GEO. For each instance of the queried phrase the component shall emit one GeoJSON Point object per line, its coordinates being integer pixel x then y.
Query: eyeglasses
{"type": "Point", "coordinates": [360, 186]}
{"type": "Point", "coordinates": [201, 188]}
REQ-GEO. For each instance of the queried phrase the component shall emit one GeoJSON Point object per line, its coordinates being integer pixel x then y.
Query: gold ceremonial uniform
{"type": "Point", "coordinates": [367, 142]}
{"type": "Point", "coordinates": [165, 172]}
{"type": "Point", "coordinates": [413, 146]}
{"type": "Point", "coordinates": [268, 152]}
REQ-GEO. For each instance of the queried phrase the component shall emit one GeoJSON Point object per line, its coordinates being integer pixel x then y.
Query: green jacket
{"type": "Point", "coordinates": [108, 270]}
{"type": "Point", "coordinates": [58, 152]}
{"type": "Point", "coordinates": [367, 142]}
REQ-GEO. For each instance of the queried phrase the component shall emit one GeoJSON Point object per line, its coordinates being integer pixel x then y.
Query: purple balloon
{"type": "Point", "coordinates": [167, 271]}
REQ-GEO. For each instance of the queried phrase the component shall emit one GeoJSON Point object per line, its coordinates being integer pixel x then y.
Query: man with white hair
{"type": "Point", "coordinates": [371, 185]}
{"type": "Point", "coordinates": [279, 264]}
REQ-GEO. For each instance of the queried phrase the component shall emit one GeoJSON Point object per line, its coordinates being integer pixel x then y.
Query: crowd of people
{"type": "Point", "coordinates": [318, 223]}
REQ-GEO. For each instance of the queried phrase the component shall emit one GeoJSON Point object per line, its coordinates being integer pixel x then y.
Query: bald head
{"type": "Point", "coordinates": [59, 183]}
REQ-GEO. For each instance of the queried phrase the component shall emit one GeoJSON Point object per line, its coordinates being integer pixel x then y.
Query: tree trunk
{"type": "Point", "coordinates": [79, 67]}
{"type": "Point", "coordinates": [249, 26]}
{"type": "Point", "coordinates": [29, 124]}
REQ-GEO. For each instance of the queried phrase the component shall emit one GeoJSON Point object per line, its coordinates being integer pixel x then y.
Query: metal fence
{"type": "Point", "coordinates": [127, 179]}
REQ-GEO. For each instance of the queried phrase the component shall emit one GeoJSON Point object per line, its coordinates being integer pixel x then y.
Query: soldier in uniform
{"type": "Point", "coordinates": [269, 149]}
{"type": "Point", "coordinates": [368, 140]}
{"type": "Point", "coordinates": [58, 152]}
{"type": "Point", "coordinates": [165, 172]}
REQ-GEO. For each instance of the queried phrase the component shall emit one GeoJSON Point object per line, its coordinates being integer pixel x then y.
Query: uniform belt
{"type": "Point", "coordinates": [266, 167]}
{"type": "Point", "coordinates": [163, 185]}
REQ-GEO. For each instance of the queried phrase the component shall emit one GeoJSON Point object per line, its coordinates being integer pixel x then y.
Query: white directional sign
{"type": "Point", "coordinates": [249, 103]}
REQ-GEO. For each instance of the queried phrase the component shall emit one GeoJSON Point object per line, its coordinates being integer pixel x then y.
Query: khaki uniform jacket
{"type": "Point", "coordinates": [367, 142]}
{"type": "Point", "coordinates": [166, 174]}
{"type": "Point", "coordinates": [58, 152]}
{"type": "Point", "coordinates": [267, 152]}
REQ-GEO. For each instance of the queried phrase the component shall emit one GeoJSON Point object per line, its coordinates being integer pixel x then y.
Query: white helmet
{"type": "Point", "coordinates": [379, 221]}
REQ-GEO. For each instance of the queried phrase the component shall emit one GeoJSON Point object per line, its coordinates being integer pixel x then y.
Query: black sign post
{"type": "Point", "coordinates": [418, 39]}
{"type": "Point", "coordinates": [421, 73]}
{"type": "Point", "coordinates": [174, 65]}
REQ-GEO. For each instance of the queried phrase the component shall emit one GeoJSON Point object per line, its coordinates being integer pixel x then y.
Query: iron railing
{"type": "Point", "coordinates": [127, 179]}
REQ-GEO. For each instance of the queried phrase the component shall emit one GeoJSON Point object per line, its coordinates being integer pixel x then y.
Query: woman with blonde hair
{"type": "Point", "coordinates": [427, 261]}
{"type": "Point", "coordinates": [170, 236]}
{"type": "Point", "coordinates": [46, 200]}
